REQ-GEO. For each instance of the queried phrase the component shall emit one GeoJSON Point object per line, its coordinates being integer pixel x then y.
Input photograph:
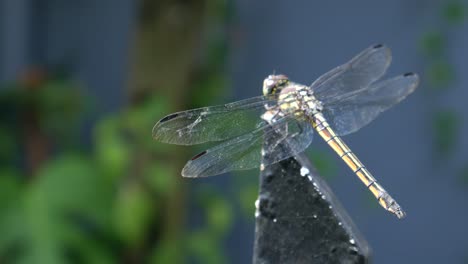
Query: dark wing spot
{"type": "Point", "coordinates": [168, 117]}
{"type": "Point", "coordinates": [199, 155]}
{"type": "Point", "coordinates": [408, 74]}
{"type": "Point", "coordinates": [378, 46]}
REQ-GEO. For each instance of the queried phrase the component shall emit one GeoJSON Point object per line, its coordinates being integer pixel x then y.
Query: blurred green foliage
{"type": "Point", "coordinates": [248, 194]}
{"type": "Point", "coordinates": [441, 76]}
{"type": "Point", "coordinates": [432, 44]}
{"type": "Point", "coordinates": [455, 12]}
{"type": "Point", "coordinates": [62, 201]}
{"type": "Point", "coordinates": [464, 175]}
{"type": "Point", "coordinates": [98, 205]}
{"type": "Point", "coordinates": [325, 163]}
{"type": "Point", "coordinates": [446, 126]}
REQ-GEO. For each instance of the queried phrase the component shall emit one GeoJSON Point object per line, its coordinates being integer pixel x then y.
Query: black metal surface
{"type": "Point", "coordinates": [299, 220]}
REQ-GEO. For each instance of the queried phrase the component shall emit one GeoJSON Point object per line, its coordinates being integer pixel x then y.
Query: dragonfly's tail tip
{"type": "Point", "coordinates": [400, 213]}
{"type": "Point", "coordinates": [396, 210]}
{"type": "Point", "coordinates": [387, 202]}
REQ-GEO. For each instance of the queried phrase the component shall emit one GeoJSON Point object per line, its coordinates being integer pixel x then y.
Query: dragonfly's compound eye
{"type": "Point", "coordinates": [273, 83]}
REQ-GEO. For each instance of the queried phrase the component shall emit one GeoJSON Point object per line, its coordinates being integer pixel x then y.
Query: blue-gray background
{"type": "Point", "coordinates": [302, 39]}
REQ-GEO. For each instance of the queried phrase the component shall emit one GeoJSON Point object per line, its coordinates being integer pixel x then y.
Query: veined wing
{"type": "Point", "coordinates": [348, 114]}
{"type": "Point", "coordinates": [286, 137]}
{"type": "Point", "coordinates": [213, 123]}
{"type": "Point", "coordinates": [362, 70]}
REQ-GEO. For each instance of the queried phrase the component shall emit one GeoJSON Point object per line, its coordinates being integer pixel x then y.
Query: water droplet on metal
{"type": "Point", "coordinates": [304, 171]}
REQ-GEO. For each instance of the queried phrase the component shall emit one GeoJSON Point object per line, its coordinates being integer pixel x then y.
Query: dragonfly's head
{"type": "Point", "coordinates": [274, 83]}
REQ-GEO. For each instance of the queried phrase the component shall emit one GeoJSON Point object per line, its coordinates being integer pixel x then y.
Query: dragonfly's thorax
{"type": "Point", "coordinates": [293, 98]}
{"type": "Point", "coordinates": [299, 100]}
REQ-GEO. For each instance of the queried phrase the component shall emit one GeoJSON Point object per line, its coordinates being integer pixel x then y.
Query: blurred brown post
{"type": "Point", "coordinates": [167, 39]}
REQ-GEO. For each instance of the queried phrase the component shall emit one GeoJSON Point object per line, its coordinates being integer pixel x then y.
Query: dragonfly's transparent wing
{"type": "Point", "coordinates": [367, 67]}
{"type": "Point", "coordinates": [245, 152]}
{"type": "Point", "coordinates": [213, 123]}
{"type": "Point", "coordinates": [351, 113]}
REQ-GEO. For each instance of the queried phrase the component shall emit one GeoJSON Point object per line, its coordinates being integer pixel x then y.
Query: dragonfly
{"type": "Point", "coordinates": [338, 103]}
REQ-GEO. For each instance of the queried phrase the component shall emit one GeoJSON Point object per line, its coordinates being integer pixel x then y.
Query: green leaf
{"type": "Point", "coordinates": [208, 89]}
{"type": "Point", "coordinates": [87, 248]}
{"type": "Point", "coordinates": [218, 11]}
{"type": "Point", "coordinates": [216, 58]}
{"type": "Point", "coordinates": [112, 151]}
{"type": "Point", "coordinates": [13, 230]}
{"type": "Point", "coordinates": [168, 251]}
{"type": "Point", "coordinates": [11, 218]}
{"type": "Point", "coordinates": [441, 74]}
{"type": "Point", "coordinates": [64, 191]}
{"type": "Point", "coordinates": [219, 216]}
{"type": "Point", "coordinates": [43, 229]}
{"type": "Point", "coordinates": [446, 127]}
{"type": "Point", "coordinates": [248, 194]}
{"type": "Point", "coordinates": [205, 247]}
{"type": "Point", "coordinates": [72, 185]}
{"type": "Point", "coordinates": [161, 177]}
{"type": "Point", "coordinates": [454, 12]}
{"type": "Point", "coordinates": [464, 175]}
{"type": "Point", "coordinates": [132, 214]}
{"type": "Point", "coordinates": [60, 108]}
{"type": "Point", "coordinates": [218, 211]}
{"type": "Point", "coordinates": [9, 145]}
{"type": "Point", "coordinates": [10, 188]}
{"type": "Point", "coordinates": [139, 122]}
{"type": "Point", "coordinates": [432, 44]}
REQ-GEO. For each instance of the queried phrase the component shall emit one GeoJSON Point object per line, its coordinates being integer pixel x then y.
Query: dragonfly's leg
{"type": "Point", "coordinates": [270, 115]}
{"type": "Point", "coordinates": [281, 130]}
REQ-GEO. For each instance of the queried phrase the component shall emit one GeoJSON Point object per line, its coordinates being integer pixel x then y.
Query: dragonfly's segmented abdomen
{"type": "Point", "coordinates": [338, 145]}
